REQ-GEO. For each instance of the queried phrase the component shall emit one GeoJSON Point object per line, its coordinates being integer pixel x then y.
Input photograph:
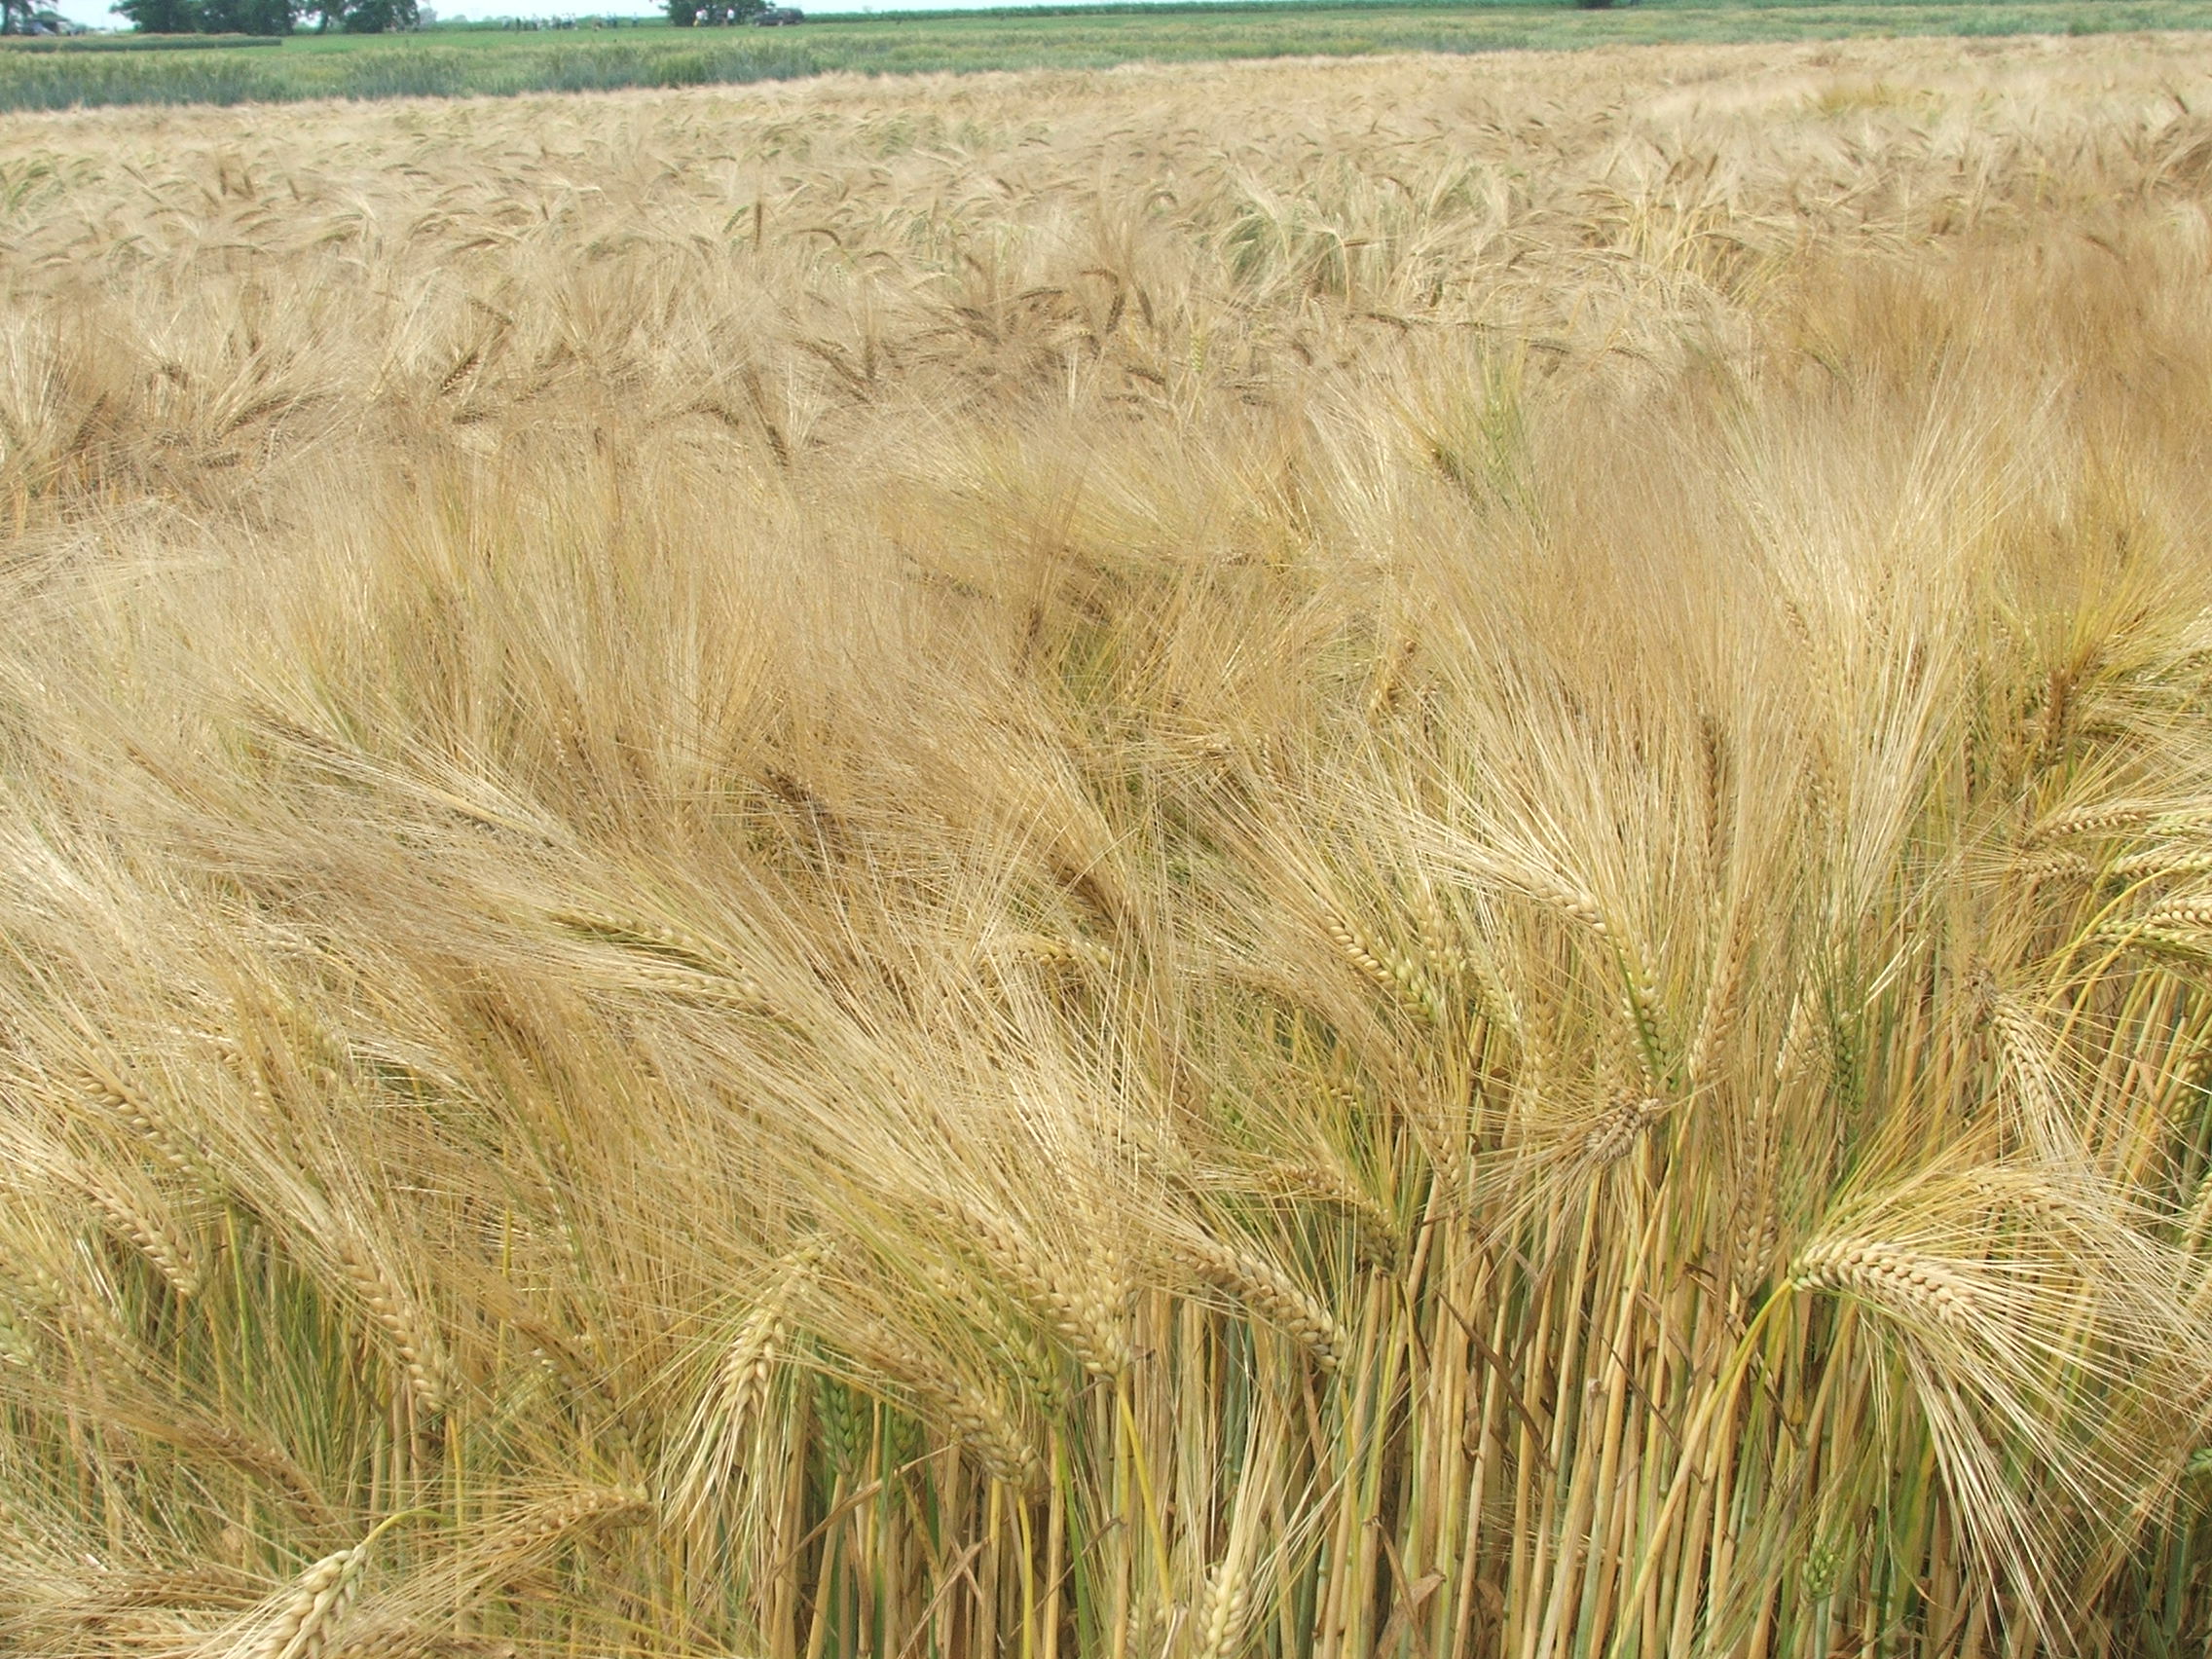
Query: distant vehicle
{"type": "Point", "coordinates": [777, 17]}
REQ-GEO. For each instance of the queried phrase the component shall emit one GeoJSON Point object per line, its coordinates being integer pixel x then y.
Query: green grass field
{"type": "Point", "coordinates": [453, 61]}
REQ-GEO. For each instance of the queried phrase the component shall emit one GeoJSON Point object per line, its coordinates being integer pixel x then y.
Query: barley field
{"type": "Point", "coordinates": [1399, 858]}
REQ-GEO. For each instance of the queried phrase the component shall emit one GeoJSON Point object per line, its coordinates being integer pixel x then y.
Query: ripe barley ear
{"type": "Point", "coordinates": [1266, 1290]}
{"type": "Point", "coordinates": [1889, 1275]}
{"type": "Point", "coordinates": [422, 1359]}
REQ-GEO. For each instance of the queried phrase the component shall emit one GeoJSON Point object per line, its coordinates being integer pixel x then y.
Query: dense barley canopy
{"type": "Point", "coordinates": [1409, 858]}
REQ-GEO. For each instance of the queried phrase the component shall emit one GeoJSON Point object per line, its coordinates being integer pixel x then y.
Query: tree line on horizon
{"type": "Point", "coordinates": [354, 17]}
{"type": "Point", "coordinates": [266, 17]}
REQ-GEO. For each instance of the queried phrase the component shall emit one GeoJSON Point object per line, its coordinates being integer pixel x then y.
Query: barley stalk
{"type": "Point", "coordinates": [742, 1381]}
{"type": "Point", "coordinates": [421, 1362]}
{"type": "Point", "coordinates": [1716, 1020]}
{"type": "Point", "coordinates": [538, 1527]}
{"type": "Point", "coordinates": [1887, 1274]}
{"type": "Point", "coordinates": [1058, 952]}
{"type": "Point", "coordinates": [2108, 818]}
{"type": "Point", "coordinates": [1397, 975]}
{"type": "Point", "coordinates": [132, 1111]}
{"type": "Point", "coordinates": [1615, 1135]}
{"type": "Point", "coordinates": [2058, 866]}
{"type": "Point", "coordinates": [2161, 865]}
{"type": "Point", "coordinates": [690, 964]}
{"type": "Point", "coordinates": [1081, 1310]}
{"type": "Point", "coordinates": [2192, 913]}
{"type": "Point", "coordinates": [1265, 1289]}
{"type": "Point", "coordinates": [1562, 896]}
{"type": "Point", "coordinates": [1329, 1183]}
{"type": "Point", "coordinates": [15, 1347]}
{"type": "Point", "coordinates": [170, 1255]}
{"type": "Point", "coordinates": [1223, 1626]}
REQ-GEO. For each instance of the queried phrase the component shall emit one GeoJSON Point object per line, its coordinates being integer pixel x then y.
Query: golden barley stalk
{"type": "Point", "coordinates": [979, 1422]}
{"type": "Point", "coordinates": [130, 1108]}
{"type": "Point", "coordinates": [1562, 896]}
{"type": "Point", "coordinates": [1081, 1310]}
{"type": "Point", "coordinates": [1223, 1626]}
{"type": "Point", "coordinates": [14, 1344]}
{"type": "Point", "coordinates": [422, 1361]}
{"type": "Point", "coordinates": [678, 947]}
{"type": "Point", "coordinates": [310, 1617]}
{"type": "Point", "coordinates": [1800, 1048]}
{"type": "Point", "coordinates": [1356, 950]}
{"type": "Point", "coordinates": [318, 1601]}
{"type": "Point", "coordinates": [2106, 818]}
{"type": "Point", "coordinates": [1399, 976]}
{"type": "Point", "coordinates": [1266, 1290]}
{"type": "Point", "coordinates": [1615, 1136]}
{"type": "Point", "coordinates": [1440, 941]}
{"type": "Point", "coordinates": [1888, 1275]}
{"type": "Point", "coordinates": [692, 984]}
{"type": "Point", "coordinates": [306, 1624]}
{"type": "Point", "coordinates": [1329, 1183]}
{"type": "Point", "coordinates": [978, 1419]}
{"type": "Point", "coordinates": [170, 1255]}
{"type": "Point", "coordinates": [742, 1379]}
{"type": "Point", "coordinates": [1753, 1225]}
{"type": "Point", "coordinates": [1057, 951]}
{"type": "Point", "coordinates": [2193, 911]}
{"type": "Point", "coordinates": [2137, 866]}
{"type": "Point", "coordinates": [49, 1291]}
{"type": "Point", "coordinates": [1716, 1020]}
{"type": "Point", "coordinates": [543, 1525]}
{"type": "Point", "coordinates": [1037, 1368]}
{"type": "Point", "coordinates": [2053, 866]}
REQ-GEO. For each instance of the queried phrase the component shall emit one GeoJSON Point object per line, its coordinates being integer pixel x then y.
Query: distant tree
{"type": "Point", "coordinates": [209, 17]}
{"type": "Point", "coordinates": [160, 16]}
{"type": "Point", "coordinates": [683, 13]}
{"type": "Point", "coordinates": [377, 17]}
{"type": "Point", "coordinates": [246, 16]}
{"type": "Point", "coordinates": [15, 17]}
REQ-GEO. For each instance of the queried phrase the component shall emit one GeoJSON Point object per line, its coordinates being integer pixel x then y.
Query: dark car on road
{"type": "Point", "coordinates": [776, 17]}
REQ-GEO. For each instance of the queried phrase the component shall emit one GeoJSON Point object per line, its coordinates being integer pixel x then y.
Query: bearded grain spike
{"type": "Point", "coordinates": [421, 1362]}
{"type": "Point", "coordinates": [1402, 977]}
{"type": "Point", "coordinates": [1266, 1290]}
{"type": "Point", "coordinates": [538, 1528]}
{"type": "Point", "coordinates": [740, 1386]}
{"type": "Point", "coordinates": [1716, 1020]}
{"type": "Point", "coordinates": [1223, 1627]}
{"type": "Point", "coordinates": [170, 1255]}
{"type": "Point", "coordinates": [2193, 913]}
{"type": "Point", "coordinates": [306, 1625]}
{"type": "Point", "coordinates": [1082, 1311]}
{"type": "Point", "coordinates": [1887, 1274]}
{"type": "Point", "coordinates": [677, 957]}
{"type": "Point", "coordinates": [128, 1108]}
{"type": "Point", "coordinates": [1616, 1134]}
{"type": "Point", "coordinates": [2106, 818]}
